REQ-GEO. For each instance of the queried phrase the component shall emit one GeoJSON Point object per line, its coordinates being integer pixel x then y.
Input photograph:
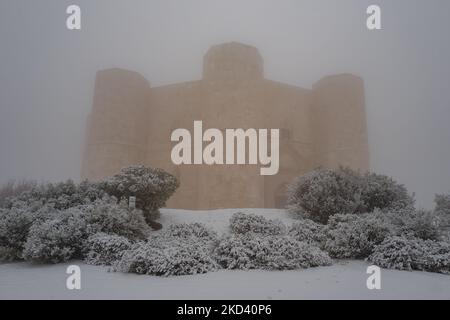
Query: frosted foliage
{"type": "Point", "coordinates": [35, 205]}
{"type": "Point", "coordinates": [442, 203]}
{"type": "Point", "coordinates": [252, 251]}
{"type": "Point", "coordinates": [196, 232]}
{"type": "Point", "coordinates": [260, 243]}
{"type": "Point", "coordinates": [178, 259]}
{"type": "Point", "coordinates": [243, 223]}
{"type": "Point", "coordinates": [308, 231]}
{"type": "Point", "coordinates": [108, 217]}
{"type": "Point", "coordinates": [412, 254]}
{"type": "Point", "coordinates": [422, 224]}
{"type": "Point", "coordinates": [179, 250]}
{"type": "Point", "coordinates": [60, 196]}
{"type": "Point", "coordinates": [322, 193]}
{"type": "Point", "coordinates": [15, 224]}
{"type": "Point", "coordinates": [355, 236]}
{"type": "Point", "coordinates": [383, 192]}
{"type": "Point", "coordinates": [13, 189]}
{"type": "Point", "coordinates": [105, 249]}
{"type": "Point", "coordinates": [50, 235]}
{"type": "Point", "coordinates": [151, 187]}
{"type": "Point", "coordinates": [57, 239]}
{"type": "Point", "coordinates": [442, 210]}
{"type": "Point", "coordinates": [14, 227]}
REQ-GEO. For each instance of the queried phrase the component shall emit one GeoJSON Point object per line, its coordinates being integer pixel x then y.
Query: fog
{"type": "Point", "coordinates": [47, 72]}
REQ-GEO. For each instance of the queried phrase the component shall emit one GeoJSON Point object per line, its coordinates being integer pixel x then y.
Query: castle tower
{"type": "Point", "coordinates": [232, 63]}
{"type": "Point", "coordinates": [339, 119]}
{"type": "Point", "coordinates": [116, 135]}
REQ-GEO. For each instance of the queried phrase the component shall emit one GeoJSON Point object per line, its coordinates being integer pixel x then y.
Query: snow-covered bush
{"type": "Point", "coordinates": [412, 254]}
{"type": "Point", "coordinates": [308, 231]}
{"type": "Point", "coordinates": [324, 192]}
{"type": "Point", "coordinates": [151, 187]}
{"type": "Point", "coordinates": [178, 250]}
{"type": "Point", "coordinates": [260, 243]}
{"type": "Point", "coordinates": [196, 232]}
{"type": "Point", "coordinates": [15, 224]}
{"type": "Point", "coordinates": [241, 223]}
{"type": "Point", "coordinates": [255, 251]}
{"type": "Point", "coordinates": [442, 210]}
{"type": "Point", "coordinates": [60, 196]}
{"type": "Point", "coordinates": [57, 239]}
{"type": "Point", "coordinates": [442, 203]}
{"type": "Point", "coordinates": [14, 227]}
{"type": "Point", "coordinates": [422, 224]}
{"type": "Point", "coordinates": [355, 236]}
{"type": "Point", "coordinates": [110, 217]}
{"type": "Point", "coordinates": [13, 189]}
{"type": "Point", "coordinates": [33, 206]}
{"type": "Point", "coordinates": [174, 260]}
{"type": "Point", "coordinates": [105, 249]}
{"type": "Point", "coordinates": [384, 193]}
{"type": "Point", "coordinates": [62, 235]}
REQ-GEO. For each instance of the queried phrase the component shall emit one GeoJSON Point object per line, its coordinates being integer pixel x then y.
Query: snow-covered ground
{"type": "Point", "coordinates": [343, 280]}
{"type": "Point", "coordinates": [219, 220]}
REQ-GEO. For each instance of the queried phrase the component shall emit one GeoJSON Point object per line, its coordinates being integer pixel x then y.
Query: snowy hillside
{"type": "Point", "coordinates": [343, 280]}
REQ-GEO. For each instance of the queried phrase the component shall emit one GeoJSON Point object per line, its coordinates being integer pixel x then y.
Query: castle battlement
{"type": "Point", "coordinates": [131, 123]}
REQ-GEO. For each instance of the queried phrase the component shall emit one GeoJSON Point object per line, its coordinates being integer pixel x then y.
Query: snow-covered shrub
{"type": "Point", "coordinates": [41, 224]}
{"type": "Point", "coordinates": [196, 232]}
{"type": "Point", "coordinates": [442, 210]}
{"type": "Point", "coordinates": [60, 196]}
{"type": "Point", "coordinates": [322, 193]}
{"type": "Point", "coordinates": [241, 223]}
{"type": "Point", "coordinates": [254, 251]}
{"type": "Point", "coordinates": [15, 224]}
{"type": "Point", "coordinates": [180, 249]}
{"type": "Point", "coordinates": [105, 249]}
{"type": "Point", "coordinates": [62, 236]}
{"type": "Point", "coordinates": [13, 189]}
{"type": "Point", "coordinates": [260, 243]}
{"type": "Point", "coordinates": [173, 259]}
{"type": "Point", "coordinates": [384, 193]}
{"type": "Point", "coordinates": [14, 227]}
{"type": "Point", "coordinates": [57, 239]}
{"type": "Point", "coordinates": [422, 224]}
{"type": "Point", "coordinates": [355, 236]}
{"type": "Point", "coordinates": [412, 254]}
{"type": "Point", "coordinates": [151, 187]}
{"type": "Point", "coordinates": [110, 217]}
{"type": "Point", "coordinates": [36, 204]}
{"type": "Point", "coordinates": [308, 231]}
{"type": "Point", "coordinates": [442, 203]}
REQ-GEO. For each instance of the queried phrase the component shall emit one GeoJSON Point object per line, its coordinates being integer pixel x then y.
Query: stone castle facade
{"type": "Point", "coordinates": [131, 123]}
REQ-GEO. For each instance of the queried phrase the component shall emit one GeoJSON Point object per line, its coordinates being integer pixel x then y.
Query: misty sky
{"type": "Point", "coordinates": [47, 72]}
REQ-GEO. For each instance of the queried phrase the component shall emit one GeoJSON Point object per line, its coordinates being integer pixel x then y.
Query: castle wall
{"type": "Point", "coordinates": [132, 124]}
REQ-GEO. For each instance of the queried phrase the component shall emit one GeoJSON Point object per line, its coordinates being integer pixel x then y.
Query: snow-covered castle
{"type": "Point", "coordinates": [131, 123]}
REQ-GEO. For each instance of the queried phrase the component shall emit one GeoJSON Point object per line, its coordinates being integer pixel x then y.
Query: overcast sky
{"type": "Point", "coordinates": [47, 72]}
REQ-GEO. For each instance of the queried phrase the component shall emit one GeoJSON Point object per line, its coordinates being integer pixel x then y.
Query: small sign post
{"type": "Point", "coordinates": [132, 203]}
